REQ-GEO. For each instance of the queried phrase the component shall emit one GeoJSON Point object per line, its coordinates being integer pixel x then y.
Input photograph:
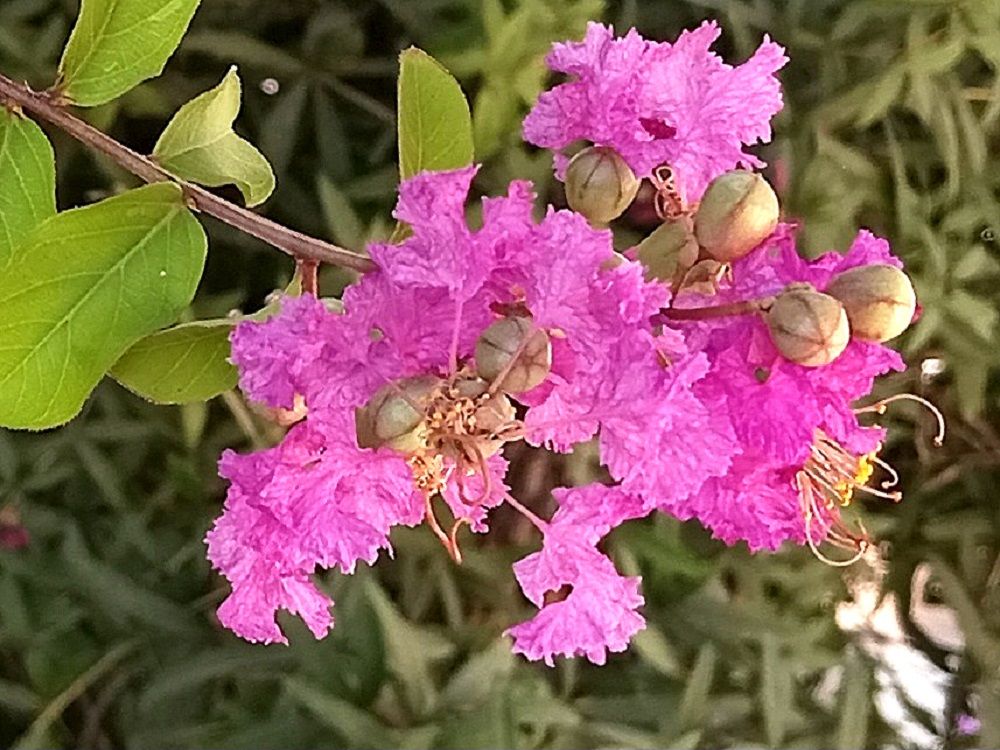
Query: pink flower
{"type": "Point", "coordinates": [659, 103]}
{"type": "Point", "coordinates": [586, 607]}
{"type": "Point", "coordinates": [315, 500]}
{"type": "Point", "coordinates": [792, 423]}
{"type": "Point", "coordinates": [320, 501]}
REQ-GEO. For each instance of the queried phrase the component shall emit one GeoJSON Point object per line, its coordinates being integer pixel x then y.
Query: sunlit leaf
{"type": "Point", "coordinates": [117, 44]}
{"type": "Point", "coordinates": [435, 127]}
{"type": "Point", "coordinates": [82, 289]}
{"type": "Point", "coordinates": [27, 181]}
{"type": "Point", "coordinates": [199, 144]}
{"type": "Point", "coordinates": [186, 363]}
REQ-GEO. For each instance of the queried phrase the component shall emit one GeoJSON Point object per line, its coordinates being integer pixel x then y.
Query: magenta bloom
{"type": "Point", "coordinates": [318, 500]}
{"type": "Point", "coordinates": [792, 423]}
{"type": "Point", "coordinates": [593, 610]}
{"type": "Point", "coordinates": [657, 103]}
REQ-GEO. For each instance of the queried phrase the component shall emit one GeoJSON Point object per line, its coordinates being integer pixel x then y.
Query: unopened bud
{"type": "Point", "coordinates": [391, 417]}
{"type": "Point", "coordinates": [879, 301]}
{"type": "Point", "coordinates": [738, 211]}
{"type": "Point", "coordinates": [808, 327]}
{"type": "Point", "coordinates": [518, 347]}
{"type": "Point", "coordinates": [599, 184]}
{"type": "Point", "coordinates": [670, 247]}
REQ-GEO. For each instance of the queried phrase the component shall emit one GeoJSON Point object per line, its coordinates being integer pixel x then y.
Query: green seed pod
{"type": "Point", "coordinates": [808, 327]}
{"type": "Point", "coordinates": [390, 418]}
{"type": "Point", "coordinates": [599, 184]}
{"type": "Point", "coordinates": [879, 301]}
{"type": "Point", "coordinates": [671, 246]}
{"type": "Point", "coordinates": [498, 344]}
{"type": "Point", "coordinates": [738, 212]}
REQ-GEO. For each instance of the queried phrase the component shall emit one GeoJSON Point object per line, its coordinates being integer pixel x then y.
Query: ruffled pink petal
{"type": "Point", "coordinates": [471, 499]}
{"type": "Point", "coordinates": [272, 356]}
{"type": "Point", "coordinates": [598, 609]}
{"type": "Point", "coordinates": [315, 501]}
{"type": "Point", "coordinates": [657, 103]}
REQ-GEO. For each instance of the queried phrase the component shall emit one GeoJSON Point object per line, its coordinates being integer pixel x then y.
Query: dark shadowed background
{"type": "Point", "coordinates": [107, 630]}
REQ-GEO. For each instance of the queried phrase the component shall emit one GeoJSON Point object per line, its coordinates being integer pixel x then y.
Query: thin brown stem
{"type": "Point", "coordinates": [309, 273]}
{"type": "Point", "coordinates": [718, 311]}
{"type": "Point", "coordinates": [50, 108]}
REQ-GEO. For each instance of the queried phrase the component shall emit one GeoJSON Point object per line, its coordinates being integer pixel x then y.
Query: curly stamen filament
{"type": "Point", "coordinates": [895, 497]}
{"type": "Point", "coordinates": [809, 510]}
{"type": "Point", "coordinates": [453, 535]}
{"type": "Point", "coordinates": [484, 472]}
{"type": "Point", "coordinates": [831, 495]}
{"type": "Point", "coordinates": [439, 532]}
{"type": "Point", "coordinates": [538, 523]}
{"type": "Point", "coordinates": [893, 479]}
{"type": "Point", "coordinates": [879, 407]}
{"type": "Point", "coordinates": [667, 202]}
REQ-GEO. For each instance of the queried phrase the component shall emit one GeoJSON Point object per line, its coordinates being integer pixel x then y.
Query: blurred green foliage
{"type": "Point", "coordinates": [107, 633]}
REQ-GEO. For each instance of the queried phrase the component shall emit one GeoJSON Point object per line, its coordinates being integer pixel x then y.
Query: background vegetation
{"type": "Point", "coordinates": [107, 632]}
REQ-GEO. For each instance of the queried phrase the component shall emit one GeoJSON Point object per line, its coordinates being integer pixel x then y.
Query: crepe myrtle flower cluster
{"type": "Point", "coordinates": [716, 369]}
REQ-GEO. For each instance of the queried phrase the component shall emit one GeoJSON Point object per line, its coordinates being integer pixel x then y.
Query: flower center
{"type": "Point", "coordinates": [465, 423]}
{"type": "Point", "coordinates": [827, 482]}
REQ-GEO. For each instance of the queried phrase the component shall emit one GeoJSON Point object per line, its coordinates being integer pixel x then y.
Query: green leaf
{"type": "Point", "coordinates": [358, 727]}
{"type": "Point", "coordinates": [27, 181]}
{"type": "Point", "coordinates": [412, 652]}
{"type": "Point", "coordinates": [199, 144]}
{"type": "Point", "coordinates": [855, 705]}
{"type": "Point", "coordinates": [435, 127]}
{"type": "Point", "coordinates": [85, 286]}
{"type": "Point", "coordinates": [37, 734]}
{"type": "Point", "coordinates": [694, 701]}
{"type": "Point", "coordinates": [775, 690]}
{"type": "Point", "coordinates": [189, 362]}
{"type": "Point", "coordinates": [118, 44]}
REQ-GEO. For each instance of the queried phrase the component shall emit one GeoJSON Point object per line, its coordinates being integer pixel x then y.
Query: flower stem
{"type": "Point", "coordinates": [718, 311]}
{"type": "Point", "coordinates": [49, 107]}
{"type": "Point", "coordinates": [309, 273]}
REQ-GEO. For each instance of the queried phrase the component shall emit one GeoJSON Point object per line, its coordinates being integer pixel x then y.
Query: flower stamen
{"type": "Point", "coordinates": [828, 481]}
{"type": "Point", "coordinates": [879, 407]}
{"type": "Point", "coordinates": [667, 202]}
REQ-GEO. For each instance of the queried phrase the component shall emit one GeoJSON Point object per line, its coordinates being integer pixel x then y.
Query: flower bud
{"type": "Point", "coordinates": [391, 417]}
{"type": "Point", "coordinates": [501, 341]}
{"type": "Point", "coordinates": [879, 301]}
{"type": "Point", "coordinates": [671, 246]}
{"type": "Point", "coordinates": [808, 327]}
{"type": "Point", "coordinates": [738, 211]}
{"type": "Point", "coordinates": [599, 184]}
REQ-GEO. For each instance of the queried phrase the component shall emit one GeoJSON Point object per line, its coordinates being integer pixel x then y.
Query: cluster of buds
{"type": "Point", "coordinates": [872, 303]}
{"type": "Point", "coordinates": [450, 426]}
{"type": "Point", "coordinates": [693, 249]}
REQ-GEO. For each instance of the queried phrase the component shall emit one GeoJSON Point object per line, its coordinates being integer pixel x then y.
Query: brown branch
{"type": "Point", "coordinates": [50, 108]}
{"type": "Point", "coordinates": [718, 311]}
